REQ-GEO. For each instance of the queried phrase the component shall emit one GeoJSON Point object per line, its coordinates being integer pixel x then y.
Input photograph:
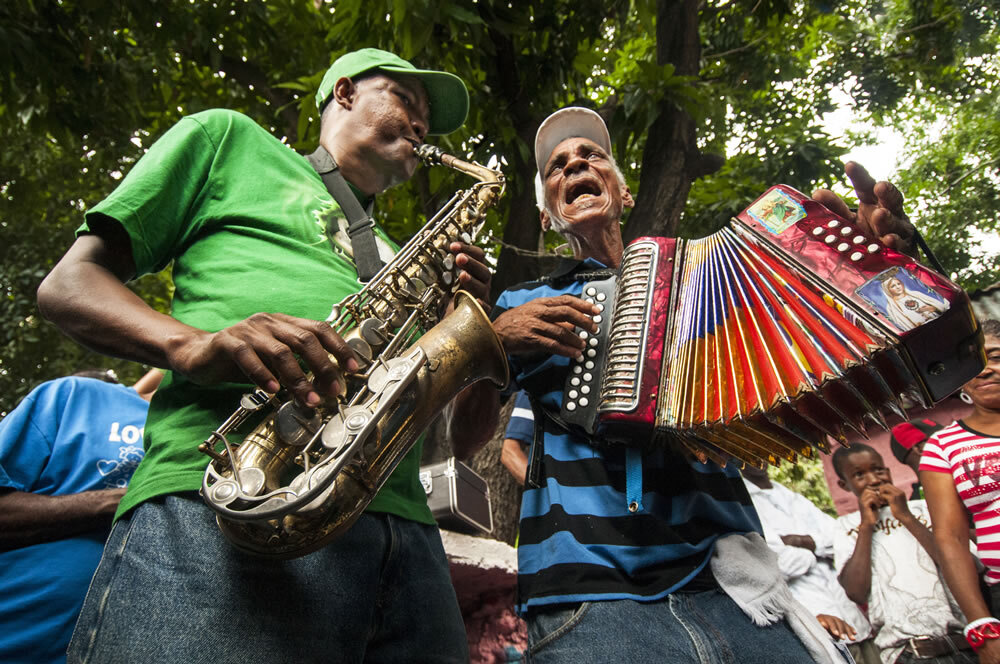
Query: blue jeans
{"type": "Point", "coordinates": [171, 589]}
{"type": "Point", "coordinates": [697, 628]}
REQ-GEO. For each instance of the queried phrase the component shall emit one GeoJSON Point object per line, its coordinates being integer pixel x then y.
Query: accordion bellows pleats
{"type": "Point", "coordinates": [787, 328]}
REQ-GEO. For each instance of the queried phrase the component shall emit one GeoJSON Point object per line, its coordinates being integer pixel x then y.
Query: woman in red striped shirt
{"type": "Point", "coordinates": [960, 471]}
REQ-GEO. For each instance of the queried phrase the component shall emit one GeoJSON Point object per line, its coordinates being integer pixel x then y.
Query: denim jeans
{"type": "Point", "coordinates": [696, 628]}
{"type": "Point", "coordinates": [171, 589]}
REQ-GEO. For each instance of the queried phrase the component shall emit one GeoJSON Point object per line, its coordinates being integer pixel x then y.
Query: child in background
{"type": "Point", "coordinates": [886, 558]}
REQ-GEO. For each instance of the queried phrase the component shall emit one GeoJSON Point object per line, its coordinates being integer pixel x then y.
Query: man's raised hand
{"type": "Point", "coordinates": [880, 209]}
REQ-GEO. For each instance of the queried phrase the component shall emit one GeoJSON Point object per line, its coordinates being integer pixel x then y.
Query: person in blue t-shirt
{"type": "Point", "coordinates": [66, 454]}
{"type": "Point", "coordinates": [615, 543]}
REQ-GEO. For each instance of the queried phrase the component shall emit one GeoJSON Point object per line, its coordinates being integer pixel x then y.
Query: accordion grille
{"type": "Point", "coordinates": [627, 337]}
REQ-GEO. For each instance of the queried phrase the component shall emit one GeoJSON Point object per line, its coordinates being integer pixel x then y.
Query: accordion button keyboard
{"type": "Point", "coordinates": [578, 406]}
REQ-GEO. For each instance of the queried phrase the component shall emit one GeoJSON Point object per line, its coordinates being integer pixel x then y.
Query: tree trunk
{"type": "Point", "coordinates": [671, 160]}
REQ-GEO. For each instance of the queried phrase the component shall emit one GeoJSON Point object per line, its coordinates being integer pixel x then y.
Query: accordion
{"type": "Point", "coordinates": [763, 341]}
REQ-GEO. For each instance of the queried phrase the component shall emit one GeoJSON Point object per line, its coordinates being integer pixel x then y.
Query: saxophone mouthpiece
{"type": "Point", "coordinates": [429, 154]}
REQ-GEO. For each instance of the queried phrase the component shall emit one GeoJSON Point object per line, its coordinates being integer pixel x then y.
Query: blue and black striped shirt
{"type": "Point", "coordinates": [578, 540]}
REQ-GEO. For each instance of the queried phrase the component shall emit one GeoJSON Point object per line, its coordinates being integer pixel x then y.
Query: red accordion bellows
{"type": "Point", "coordinates": [758, 342]}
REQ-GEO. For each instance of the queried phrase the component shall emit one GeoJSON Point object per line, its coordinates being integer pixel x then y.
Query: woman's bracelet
{"type": "Point", "coordinates": [980, 631]}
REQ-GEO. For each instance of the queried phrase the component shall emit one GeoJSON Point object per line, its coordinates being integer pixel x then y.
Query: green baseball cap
{"type": "Point", "coordinates": [446, 93]}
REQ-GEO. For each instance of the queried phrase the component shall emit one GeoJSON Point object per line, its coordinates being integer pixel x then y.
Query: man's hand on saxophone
{"type": "Point", "coordinates": [474, 275]}
{"type": "Point", "coordinates": [267, 349]}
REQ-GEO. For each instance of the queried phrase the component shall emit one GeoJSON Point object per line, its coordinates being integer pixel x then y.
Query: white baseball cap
{"type": "Point", "coordinates": [570, 122]}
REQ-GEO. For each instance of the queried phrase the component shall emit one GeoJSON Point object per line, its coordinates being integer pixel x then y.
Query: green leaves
{"type": "Point", "coordinates": [80, 81]}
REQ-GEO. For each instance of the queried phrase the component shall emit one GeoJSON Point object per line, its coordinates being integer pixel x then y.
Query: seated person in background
{"type": "Point", "coordinates": [907, 444]}
{"type": "Point", "coordinates": [520, 432]}
{"type": "Point", "coordinates": [886, 557]}
{"type": "Point", "coordinates": [801, 535]}
{"type": "Point", "coordinates": [66, 454]}
{"type": "Point", "coordinates": [960, 471]}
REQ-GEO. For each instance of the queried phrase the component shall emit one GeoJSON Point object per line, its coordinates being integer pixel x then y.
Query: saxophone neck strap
{"type": "Point", "coordinates": [360, 227]}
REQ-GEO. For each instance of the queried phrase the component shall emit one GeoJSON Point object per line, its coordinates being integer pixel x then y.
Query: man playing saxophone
{"type": "Point", "coordinates": [250, 227]}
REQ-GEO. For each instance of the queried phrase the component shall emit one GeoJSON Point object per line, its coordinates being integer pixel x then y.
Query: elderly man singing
{"type": "Point", "coordinates": [601, 577]}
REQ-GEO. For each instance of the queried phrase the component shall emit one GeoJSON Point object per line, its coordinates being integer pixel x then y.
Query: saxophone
{"type": "Point", "coordinates": [303, 475]}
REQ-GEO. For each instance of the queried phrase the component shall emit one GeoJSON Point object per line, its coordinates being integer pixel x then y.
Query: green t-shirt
{"type": "Point", "coordinates": [244, 219]}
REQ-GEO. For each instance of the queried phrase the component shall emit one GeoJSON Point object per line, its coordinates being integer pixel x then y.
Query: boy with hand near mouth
{"type": "Point", "coordinates": [886, 557]}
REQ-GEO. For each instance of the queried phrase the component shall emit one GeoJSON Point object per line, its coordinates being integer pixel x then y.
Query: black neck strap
{"type": "Point", "coordinates": [360, 226]}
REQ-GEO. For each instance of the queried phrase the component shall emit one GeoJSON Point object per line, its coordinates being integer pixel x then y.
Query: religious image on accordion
{"type": "Point", "coordinates": [762, 342]}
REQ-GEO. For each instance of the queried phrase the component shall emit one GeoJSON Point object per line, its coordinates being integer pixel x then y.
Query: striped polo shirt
{"type": "Point", "coordinates": [973, 460]}
{"type": "Point", "coordinates": [578, 539]}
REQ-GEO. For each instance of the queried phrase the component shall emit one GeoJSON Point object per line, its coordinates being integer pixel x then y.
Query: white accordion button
{"type": "Point", "coordinates": [819, 230]}
{"type": "Point", "coordinates": [843, 246]}
{"type": "Point", "coordinates": [859, 239]}
{"type": "Point", "coordinates": [574, 381]}
{"type": "Point", "coordinates": [577, 369]}
{"type": "Point", "coordinates": [856, 256]}
{"type": "Point", "coordinates": [833, 223]}
{"type": "Point", "coordinates": [593, 342]}
{"type": "Point", "coordinates": [601, 297]}
{"type": "Point", "coordinates": [846, 230]}
{"type": "Point", "coordinates": [588, 377]}
{"type": "Point", "coordinates": [573, 394]}
{"type": "Point", "coordinates": [588, 364]}
{"type": "Point", "coordinates": [583, 402]}
{"type": "Point", "coordinates": [583, 334]}
{"type": "Point", "coordinates": [872, 248]}
{"type": "Point", "coordinates": [591, 291]}
{"type": "Point", "coordinates": [591, 352]}
{"type": "Point", "coordinates": [830, 239]}
{"type": "Point", "coordinates": [598, 318]}
{"type": "Point", "coordinates": [600, 307]}
{"type": "Point", "coordinates": [571, 406]}
{"type": "Point", "coordinates": [585, 389]}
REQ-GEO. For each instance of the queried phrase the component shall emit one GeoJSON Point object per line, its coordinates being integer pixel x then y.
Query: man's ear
{"type": "Point", "coordinates": [627, 199]}
{"type": "Point", "coordinates": [344, 92]}
{"type": "Point", "coordinates": [545, 220]}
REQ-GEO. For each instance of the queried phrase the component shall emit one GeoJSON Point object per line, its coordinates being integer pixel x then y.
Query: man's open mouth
{"type": "Point", "coordinates": [582, 188]}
